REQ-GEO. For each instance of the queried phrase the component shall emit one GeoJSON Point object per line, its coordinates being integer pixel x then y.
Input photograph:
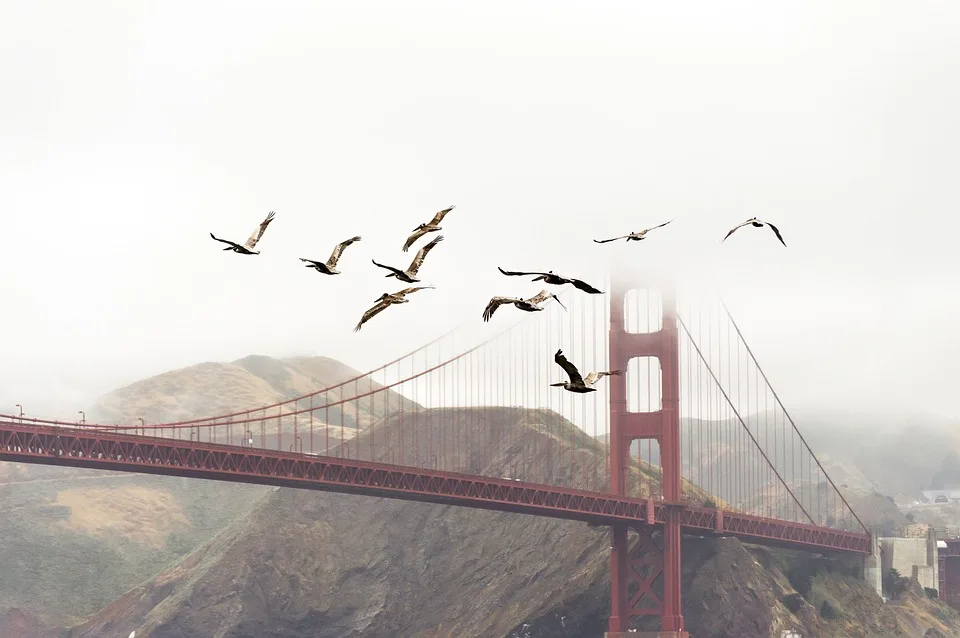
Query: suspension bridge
{"type": "Point", "coordinates": [691, 438]}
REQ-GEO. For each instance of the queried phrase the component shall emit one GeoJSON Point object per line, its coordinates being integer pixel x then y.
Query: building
{"type": "Point", "coordinates": [915, 557]}
{"type": "Point", "coordinates": [941, 496]}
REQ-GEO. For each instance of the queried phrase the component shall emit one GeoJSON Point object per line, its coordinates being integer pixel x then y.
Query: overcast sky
{"type": "Point", "coordinates": [132, 130]}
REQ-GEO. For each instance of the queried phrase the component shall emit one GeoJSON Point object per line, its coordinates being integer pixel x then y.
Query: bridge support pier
{"type": "Point", "coordinates": [634, 574]}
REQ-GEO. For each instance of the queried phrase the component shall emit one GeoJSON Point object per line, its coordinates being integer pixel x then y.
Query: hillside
{"type": "Point", "coordinates": [83, 537]}
{"type": "Point", "coordinates": [309, 564]}
{"type": "Point", "coordinates": [893, 457]}
{"type": "Point", "coordinates": [877, 512]}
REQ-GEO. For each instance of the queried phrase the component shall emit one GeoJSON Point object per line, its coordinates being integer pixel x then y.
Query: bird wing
{"type": "Point", "coordinates": [776, 231]}
{"type": "Point", "coordinates": [542, 296]}
{"type": "Point", "coordinates": [390, 268]}
{"type": "Point", "coordinates": [513, 273]}
{"type": "Point", "coordinates": [338, 250]}
{"type": "Point", "coordinates": [258, 233]}
{"type": "Point", "coordinates": [585, 287]}
{"type": "Point", "coordinates": [225, 241]}
{"type": "Point", "coordinates": [418, 260]}
{"type": "Point", "coordinates": [734, 229]}
{"type": "Point", "coordinates": [655, 227]}
{"type": "Point", "coordinates": [408, 291]}
{"type": "Point", "coordinates": [593, 377]}
{"type": "Point", "coordinates": [417, 234]}
{"type": "Point", "coordinates": [310, 261]}
{"type": "Point", "coordinates": [495, 303]}
{"type": "Point", "coordinates": [605, 241]}
{"type": "Point", "coordinates": [568, 367]}
{"type": "Point", "coordinates": [439, 216]}
{"type": "Point", "coordinates": [374, 310]}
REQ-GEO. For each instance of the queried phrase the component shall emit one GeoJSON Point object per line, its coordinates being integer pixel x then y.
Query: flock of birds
{"type": "Point", "coordinates": [577, 383]}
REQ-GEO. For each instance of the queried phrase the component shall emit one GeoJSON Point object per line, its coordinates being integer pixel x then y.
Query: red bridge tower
{"type": "Point", "coordinates": [633, 575]}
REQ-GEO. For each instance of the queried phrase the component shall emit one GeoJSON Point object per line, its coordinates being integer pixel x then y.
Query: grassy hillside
{"type": "Point", "coordinates": [83, 537]}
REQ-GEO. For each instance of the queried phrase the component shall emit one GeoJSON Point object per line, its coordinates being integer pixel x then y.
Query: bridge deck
{"type": "Point", "coordinates": [148, 455]}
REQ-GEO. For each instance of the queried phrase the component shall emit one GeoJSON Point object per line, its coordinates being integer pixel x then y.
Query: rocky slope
{"type": "Point", "coordinates": [81, 538]}
{"type": "Point", "coordinates": [312, 564]}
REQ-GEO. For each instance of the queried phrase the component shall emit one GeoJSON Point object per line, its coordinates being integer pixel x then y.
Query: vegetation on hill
{"type": "Point", "coordinates": [83, 537]}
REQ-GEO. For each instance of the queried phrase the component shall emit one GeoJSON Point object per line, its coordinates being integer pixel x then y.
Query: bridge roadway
{"type": "Point", "coordinates": [100, 449]}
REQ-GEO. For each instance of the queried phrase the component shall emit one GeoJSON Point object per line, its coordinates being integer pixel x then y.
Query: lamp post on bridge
{"type": "Point", "coordinates": [83, 416]}
{"type": "Point", "coordinates": [21, 412]}
{"type": "Point", "coordinates": [297, 443]}
{"type": "Point", "coordinates": [143, 429]}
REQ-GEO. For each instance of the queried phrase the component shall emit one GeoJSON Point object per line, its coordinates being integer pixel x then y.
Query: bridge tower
{"type": "Point", "coordinates": [633, 575]}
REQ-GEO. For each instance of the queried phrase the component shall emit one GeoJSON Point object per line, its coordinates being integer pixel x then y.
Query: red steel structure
{"type": "Point", "coordinates": [714, 453]}
{"type": "Point", "coordinates": [649, 560]}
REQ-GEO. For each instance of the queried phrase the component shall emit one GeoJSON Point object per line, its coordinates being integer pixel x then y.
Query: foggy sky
{"type": "Point", "coordinates": [130, 131]}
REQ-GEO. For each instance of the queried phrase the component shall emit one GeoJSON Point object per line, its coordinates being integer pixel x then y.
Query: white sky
{"type": "Point", "coordinates": [131, 130]}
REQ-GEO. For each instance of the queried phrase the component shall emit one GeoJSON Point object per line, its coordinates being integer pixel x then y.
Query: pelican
{"type": "Point", "coordinates": [410, 274]}
{"type": "Point", "coordinates": [248, 246]}
{"type": "Point", "coordinates": [399, 297]}
{"type": "Point", "coordinates": [756, 223]}
{"type": "Point", "coordinates": [578, 383]}
{"type": "Point", "coordinates": [430, 227]}
{"type": "Point", "coordinates": [557, 280]}
{"type": "Point", "coordinates": [527, 305]}
{"type": "Point", "coordinates": [638, 236]}
{"type": "Point", "coordinates": [385, 301]}
{"type": "Point", "coordinates": [330, 267]}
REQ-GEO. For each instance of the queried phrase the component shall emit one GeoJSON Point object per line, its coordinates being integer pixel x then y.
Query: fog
{"type": "Point", "coordinates": [132, 130]}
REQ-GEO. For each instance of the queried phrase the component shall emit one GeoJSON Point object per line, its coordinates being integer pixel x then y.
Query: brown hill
{"type": "Point", "coordinates": [84, 537]}
{"type": "Point", "coordinates": [313, 564]}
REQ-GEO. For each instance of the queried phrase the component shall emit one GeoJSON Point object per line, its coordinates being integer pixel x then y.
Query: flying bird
{"type": "Point", "coordinates": [330, 267]}
{"type": "Point", "coordinates": [410, 274]}
{"type": "Point", "coordinates": [756, 223]}
{"type": "Point", "coordinates": [638, 236]}
{"type": "Point", "coordinates": [399, 297]}
{"type": "Point", "coordinates": [385, 301]}
{"type": "Point", "coordinates": [557, 280]}
{"type": "Point", "coordinates": [577, 383]}
{"type": "Point", "coordinates": [248, 246]}
{"type": "Point", "coordinates": [430, 227]}
{"type": "Point", "coordinates": [527, 305]}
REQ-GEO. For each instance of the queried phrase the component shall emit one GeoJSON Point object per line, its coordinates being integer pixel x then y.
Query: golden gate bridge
{"type": "Point", "coordinates": [691, 438]}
